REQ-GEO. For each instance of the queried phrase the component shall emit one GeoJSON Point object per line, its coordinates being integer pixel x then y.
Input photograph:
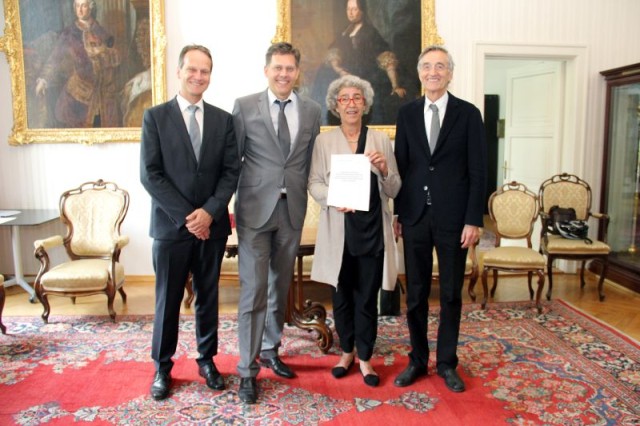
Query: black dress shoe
{"type": "Point", "coordinates": [278, 367]}
{"type": "Point", "coordinates": [371, 380]}
{"type": "Point", "coordinates": [212, 376]}
{"type": "Point", "coordinates": [160, 386]}
{"type": "Point", "coordinates": [409, 375]}
{"type": "Point", "coordinates": [452, 380]}
{"type": "Point", "coordinates": [340, 372]}
{"type": "Point", "coordinates": [248, 392]}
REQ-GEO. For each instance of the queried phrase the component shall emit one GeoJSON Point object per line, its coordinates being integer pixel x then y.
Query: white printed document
{"type": "Point", "coordinates": [349, 182]}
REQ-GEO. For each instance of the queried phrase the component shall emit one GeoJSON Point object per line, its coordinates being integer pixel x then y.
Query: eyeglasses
{"type": "Point", "coordinates": [439, 67]}
{"type": "Point", "coordinates": [345, 100]}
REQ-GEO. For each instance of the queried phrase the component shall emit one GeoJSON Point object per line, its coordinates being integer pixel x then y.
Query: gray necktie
{"type": "Point", "coordinates": [283, 129]}
{"type": "Point", "coordinates": [435, 127]}
{"type": "Point", "coordinates": [194, 131]}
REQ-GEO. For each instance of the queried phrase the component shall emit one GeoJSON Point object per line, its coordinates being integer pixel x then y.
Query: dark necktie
{"type": "Point", "coordinates": [283, 129]}
{"type": "Point", "coordinates": [435, 127]}
{"type": "Point", "coordinates": [194, 131]}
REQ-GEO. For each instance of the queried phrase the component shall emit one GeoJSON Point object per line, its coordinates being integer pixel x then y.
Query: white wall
{"type": "Point", "coordinates": [238, 33]}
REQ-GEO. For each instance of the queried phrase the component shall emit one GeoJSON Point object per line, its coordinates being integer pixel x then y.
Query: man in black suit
{"type": "Point", "coordinates": [442, 158]}
{"type": "Point", "coordinates": [189, 165]}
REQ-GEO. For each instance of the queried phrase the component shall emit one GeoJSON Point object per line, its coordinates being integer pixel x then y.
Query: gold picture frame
{"type": "Point", "coordinates": [311, 26]}
{"type": "Point", "coordinates": [138, 80]}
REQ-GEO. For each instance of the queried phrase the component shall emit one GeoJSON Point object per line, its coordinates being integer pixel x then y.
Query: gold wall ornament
{"type": "Point", "coordinates": [26, 106]}
{"type": "Point", "coordinates": [289, 18]}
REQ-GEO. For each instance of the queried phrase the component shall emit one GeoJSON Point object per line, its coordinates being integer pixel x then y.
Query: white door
{"type": "Point", "coordinates": [533, 126]}
{"type": "Point", "coordinates": [533, 122]}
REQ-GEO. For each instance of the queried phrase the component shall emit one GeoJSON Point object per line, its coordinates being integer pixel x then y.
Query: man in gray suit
{"type": "Point", "coordinates": [275, 130]}
{"type": "Point", "coordinates": [189, 165]}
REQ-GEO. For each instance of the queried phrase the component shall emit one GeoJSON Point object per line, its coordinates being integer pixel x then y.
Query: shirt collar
{"type": "Point", "coordinates": [183, 103]}
{"type": "Point", "coordinates": [441, 103]}
{"type": "Point", "coordinates": [272, 97]}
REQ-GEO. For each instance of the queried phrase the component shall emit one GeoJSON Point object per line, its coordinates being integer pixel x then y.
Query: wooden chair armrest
{"type": "Point", "coordinates": [48, 243]}
{"type": "Point", "coordinates": [600, 216]}
{"type": "Point", "coordinates": [41, 247]}
{"type": "Point", "coordinates": [122, 241]}
{"type": "Point", "coordinates": [118, 244]}
{"type": "Point", "coordinates": [545, 221]}
{"type": "Point", "coordinates": [604, 220]}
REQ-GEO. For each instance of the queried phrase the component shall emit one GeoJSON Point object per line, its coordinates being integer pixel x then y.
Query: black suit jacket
{"type": "Point", "coordinates": [177, 182]}
{"type": "Point", "coordinates": [455, 174]}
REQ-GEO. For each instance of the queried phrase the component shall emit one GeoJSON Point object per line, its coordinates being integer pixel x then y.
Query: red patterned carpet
{"type": "Point", "coordinates": [561, 367]}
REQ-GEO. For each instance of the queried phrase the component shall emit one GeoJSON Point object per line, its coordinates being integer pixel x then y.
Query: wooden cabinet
{"type": "Point", "coordinates": [621, 179]}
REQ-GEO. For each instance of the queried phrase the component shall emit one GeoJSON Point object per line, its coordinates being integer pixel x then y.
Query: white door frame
{"type": "Point", "coordinates": [575, 108]}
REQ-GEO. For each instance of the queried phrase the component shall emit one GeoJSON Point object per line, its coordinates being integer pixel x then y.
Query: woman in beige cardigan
{"type": "Point", "coordinates": [355, 250]}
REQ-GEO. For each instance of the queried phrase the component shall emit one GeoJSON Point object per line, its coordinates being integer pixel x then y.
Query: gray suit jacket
{"type": "Point", "coordinates": [263, 166]}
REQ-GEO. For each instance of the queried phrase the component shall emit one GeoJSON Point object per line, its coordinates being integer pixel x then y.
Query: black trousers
{"type": "Point", "coordinates": [419, 241]}
{"type": "Point", "coordinates": [355, 302]}
{"type": "Point", "coordinates": [172, 262]}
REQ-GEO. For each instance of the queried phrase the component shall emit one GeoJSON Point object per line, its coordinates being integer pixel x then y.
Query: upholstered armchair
{"type": "Point", "coordinates": [2, 327]}
{"type": "Point", "coordinates": [92, 214]}
{"type": "Point", "coordinates": [514, 209]}
{"type": "Point", "coordinates": [569, 191]}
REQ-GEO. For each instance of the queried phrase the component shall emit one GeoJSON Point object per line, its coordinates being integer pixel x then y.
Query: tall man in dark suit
{"type": "Point", "coordinates": [271, 202]}
{"type": "Point", "coordinates": [442, 158]}
{"type": "Point", "coordinates": [189, 165]}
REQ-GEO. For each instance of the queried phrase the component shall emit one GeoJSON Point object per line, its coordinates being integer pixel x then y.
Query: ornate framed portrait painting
{"type": "Point", "coordinates": [377, 40]}
{"type": "Point", "coordinates": [83, 71]}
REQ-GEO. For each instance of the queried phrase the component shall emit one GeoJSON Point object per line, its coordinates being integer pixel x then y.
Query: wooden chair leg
{"type": "Point", "coordinates": [529, 279]}
{"type": "Point", "coordinates": [605, 266]}
{"type": "Point", "coordinates": [550, 275]}
{"type": "Point", "coordinates": [189, 288]}
{"type": "Point", "coordinates": [540, 274]}
{"type": "Point", "coordinates": [583, 267]}
{"type": "Point", "coordinates": [472, 285]}
{"type": "Point", "coordinates": [47, 308]}
{"type": "Point", "coordinates": [485, 291]}
{"type": "Point", "coordinates": [2, 327]}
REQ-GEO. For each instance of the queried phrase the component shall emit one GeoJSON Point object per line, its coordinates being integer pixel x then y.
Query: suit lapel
{"type": "Point", "coordinates": [450, 117]}
{"type": "Point", "coordinates": [302, 121]}
{"type": "Point", "coordinates": [417, 114]}
{"type": "Point", "coordinates": [265, 113]}
{"type": "Point", "coordinates": [207, 128]}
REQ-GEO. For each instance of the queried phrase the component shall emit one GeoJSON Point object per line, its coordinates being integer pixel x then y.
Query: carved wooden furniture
{"type": "Point", "coordinates": [92, 214]}
{"type": "Point", "coordinates": [567, 190]}
{"type": "Point", "coordinates": [620, 192]}
{"type": "Point", "coordinates": [2, 327]}
{"type": "Point", "coordinates": [302, 313]}
{"type": "Point", "coordinates": [514, 209]}
{"type": "Point", "coordinates": [19, 219]}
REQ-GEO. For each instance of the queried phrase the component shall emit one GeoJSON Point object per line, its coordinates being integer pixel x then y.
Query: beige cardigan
{"type": "Point", "coordinates": [327, 258]}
